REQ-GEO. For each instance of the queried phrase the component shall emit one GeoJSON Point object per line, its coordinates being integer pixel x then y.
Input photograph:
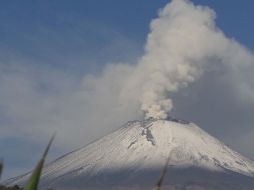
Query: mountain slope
{"type": "Point", "coordinates": [134, 155]}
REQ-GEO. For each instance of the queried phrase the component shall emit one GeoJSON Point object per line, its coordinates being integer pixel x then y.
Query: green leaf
{"type": "Point", "coordinates": [1, 168]}
{"type": "Point", "coordinates": [162, 176]}
{"type": "Point", "coordinates": [34, 179]}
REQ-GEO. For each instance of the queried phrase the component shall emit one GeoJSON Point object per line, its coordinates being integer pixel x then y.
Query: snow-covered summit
{"type": "Point", "coordinates": [144, 145]}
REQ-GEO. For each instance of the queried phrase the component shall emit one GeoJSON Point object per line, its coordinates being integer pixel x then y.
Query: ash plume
{"type": "Point", "coordinates": [183, 43]}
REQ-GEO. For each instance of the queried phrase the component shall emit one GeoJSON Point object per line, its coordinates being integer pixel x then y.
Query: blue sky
{"type": "Point", "coordinates": [75, 38]}
{"type": "Point", "coordinates": [30, 27]}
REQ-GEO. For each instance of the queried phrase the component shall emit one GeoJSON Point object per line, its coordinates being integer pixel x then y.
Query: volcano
{"type": "Point", "coordinates": [133, 156]}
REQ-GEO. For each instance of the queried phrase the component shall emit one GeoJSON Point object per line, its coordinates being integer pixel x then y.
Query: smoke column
{"type": "Point", "coordinates": [182, 44]}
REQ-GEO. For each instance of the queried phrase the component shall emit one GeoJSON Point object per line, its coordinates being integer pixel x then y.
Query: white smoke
{"type": "Point", "coordinates": [180, 47]}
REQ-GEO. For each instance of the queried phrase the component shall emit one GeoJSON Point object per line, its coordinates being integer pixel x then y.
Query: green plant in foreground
{"type": "Point", "coordinates": [163, 173]}
{"type": "Point", "coordinates": [1, 168]}
{"type": "Point", "coordinates": [34, 179]}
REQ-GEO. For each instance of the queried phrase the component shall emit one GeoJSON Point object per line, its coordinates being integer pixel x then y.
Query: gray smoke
{"type": "Point", "coordinates": [182, 44]}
